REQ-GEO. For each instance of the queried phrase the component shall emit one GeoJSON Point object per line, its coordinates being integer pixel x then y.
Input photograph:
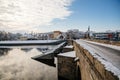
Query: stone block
{"type": "Point", "coordinates": [66, 66]}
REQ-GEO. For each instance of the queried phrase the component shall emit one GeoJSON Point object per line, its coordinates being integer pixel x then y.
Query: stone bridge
{"type": "Point", "coordinates": [80, 59]}
{"type": "Point", "coordinates": [92, 61]}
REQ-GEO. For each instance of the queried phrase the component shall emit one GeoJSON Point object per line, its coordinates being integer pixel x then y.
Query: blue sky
{"type": "Point", "coordinates": [100, 15]}
{"type": "Point", "coordinates": [50, 15]}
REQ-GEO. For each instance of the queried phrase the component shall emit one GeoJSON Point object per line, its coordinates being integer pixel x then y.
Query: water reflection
{"type": "Point", "coordinates": [43, 48]}
{"type": "Point", "coordinates": [17, 65]}
{"type": "Point", "coordinates": [4, 51]}
{"type": "Point", "coordinates": [26, 49]}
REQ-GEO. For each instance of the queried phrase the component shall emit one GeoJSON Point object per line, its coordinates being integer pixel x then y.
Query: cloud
{"type": "Point", "coordinates": [26, 14]}
{"type": "Point", "coordinates": [18, 65]}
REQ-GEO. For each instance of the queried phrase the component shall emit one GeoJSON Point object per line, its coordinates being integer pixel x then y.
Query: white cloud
{"type": "Point", "coordinates": [26, 14]}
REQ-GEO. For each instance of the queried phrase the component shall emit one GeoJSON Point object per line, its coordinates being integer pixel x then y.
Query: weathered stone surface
{"type": "Point", "coordinates": [67, 49]}
{"type": "Point", "coordinates": [66, 67]}
{"type": "Point", "coordinates": [90, 67]}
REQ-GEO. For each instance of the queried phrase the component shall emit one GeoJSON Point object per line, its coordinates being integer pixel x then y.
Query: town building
{"type": "Point", "coordinates": [105, 35]}
{"type": "Point", "coordinates": [56, 34]}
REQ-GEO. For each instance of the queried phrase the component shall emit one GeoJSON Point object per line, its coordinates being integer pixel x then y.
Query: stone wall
{"type": "Point", "coordinates": [66, 67]}
{"type": "Point", "coordinates": [90, 67]}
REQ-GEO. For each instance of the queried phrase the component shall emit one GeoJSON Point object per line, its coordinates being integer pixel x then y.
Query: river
{"type": "Point", "coordinates": [16, 64]}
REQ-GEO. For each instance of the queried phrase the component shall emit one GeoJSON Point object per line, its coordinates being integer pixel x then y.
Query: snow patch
{"type": "Point", "coordinates": [108, 66]}
{"type": "Point", "coordinates": [106, 45]}
{"type": "Point", "coordinates": [68, 54]}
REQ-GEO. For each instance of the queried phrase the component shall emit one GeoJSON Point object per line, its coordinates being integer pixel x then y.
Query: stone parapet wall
{"type": "Point", "coordinates": [90, 67]}
{"type": "Point", "coordinates": [66, 68]}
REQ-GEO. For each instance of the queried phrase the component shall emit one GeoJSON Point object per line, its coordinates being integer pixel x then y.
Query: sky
{"type": "Point", "coordinates": [63, 15]}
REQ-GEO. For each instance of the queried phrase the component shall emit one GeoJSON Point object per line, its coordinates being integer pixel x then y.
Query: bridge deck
{"type": "Point", "coordinates": [109, 55]}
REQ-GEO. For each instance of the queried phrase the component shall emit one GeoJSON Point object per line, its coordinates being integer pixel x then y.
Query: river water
{"type": "Point", "coordinates": [16, 64]}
